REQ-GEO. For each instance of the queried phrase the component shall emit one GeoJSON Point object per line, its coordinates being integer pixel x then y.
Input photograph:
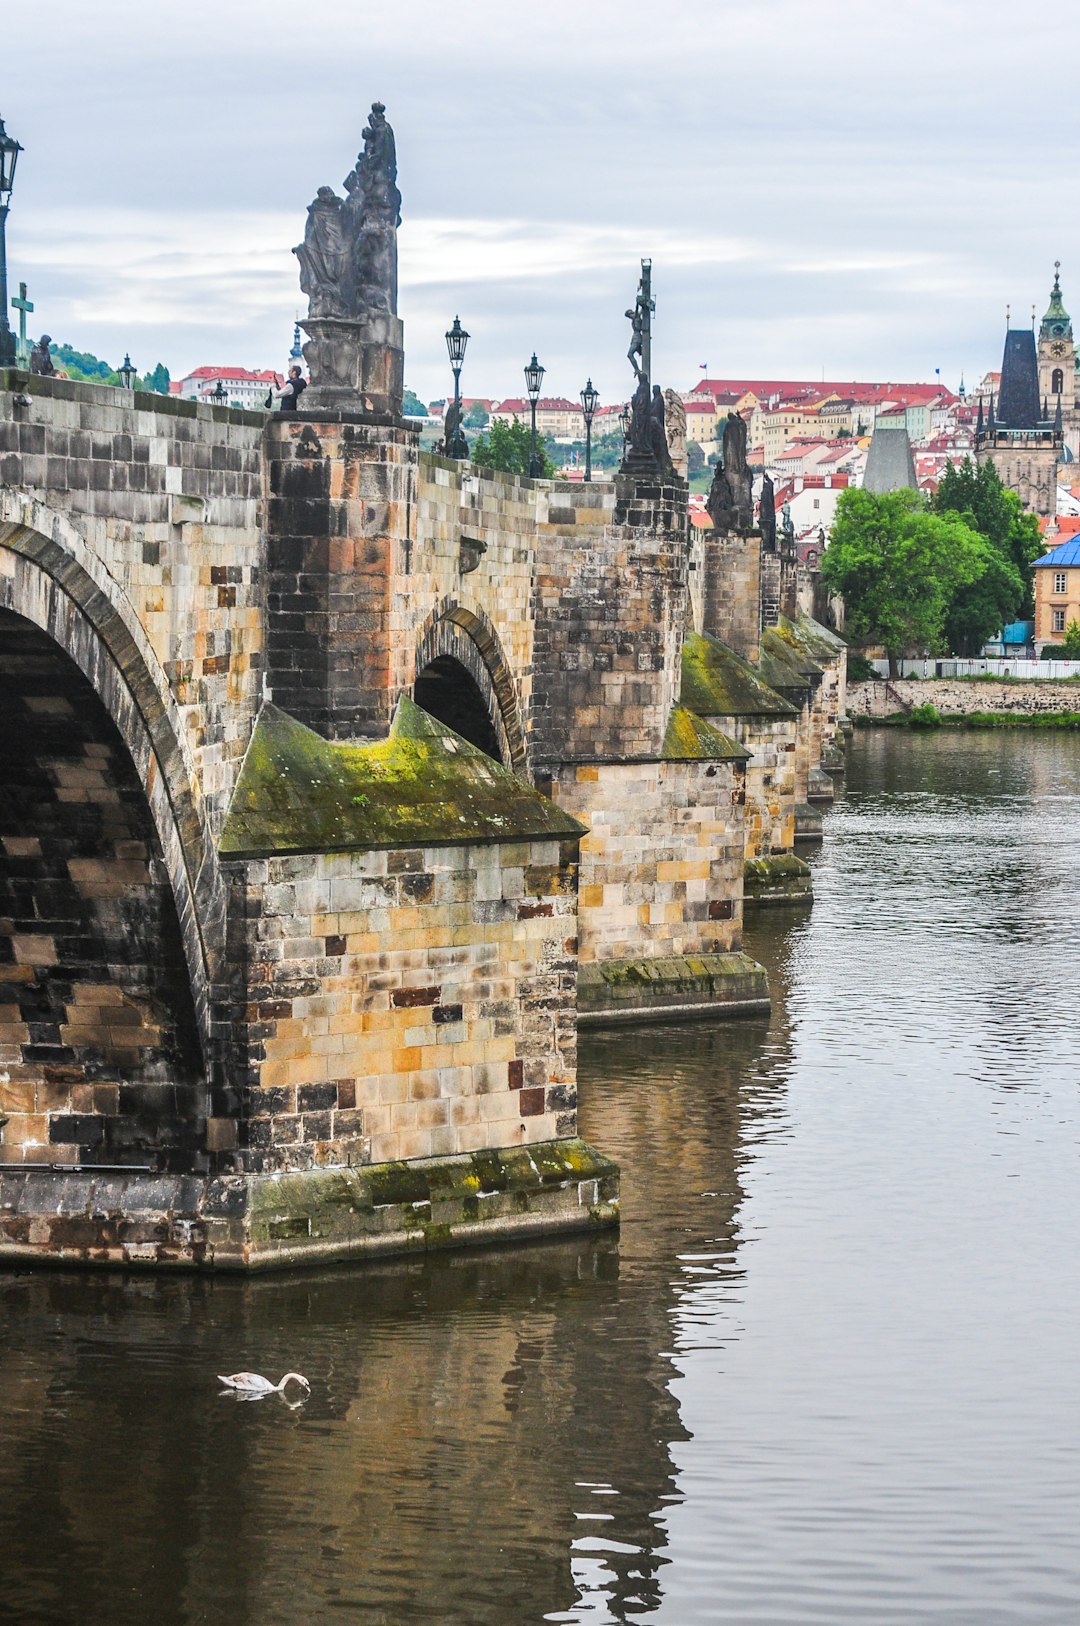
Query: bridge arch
{"type": "Point", "coordinates": [51, 579]}
{"type": "Point", "coordinates": [460, 638]}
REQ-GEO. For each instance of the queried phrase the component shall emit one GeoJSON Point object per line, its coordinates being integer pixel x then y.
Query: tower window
{"type": "Point", "coordinates": [1057, 380]}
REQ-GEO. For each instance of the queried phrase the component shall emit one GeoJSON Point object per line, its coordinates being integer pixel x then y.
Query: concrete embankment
{"type": "Point", "coordinates": [971, 702]}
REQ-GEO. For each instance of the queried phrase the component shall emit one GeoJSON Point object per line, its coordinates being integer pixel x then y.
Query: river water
{"type": "Point", "coordinates": [828, 1372]}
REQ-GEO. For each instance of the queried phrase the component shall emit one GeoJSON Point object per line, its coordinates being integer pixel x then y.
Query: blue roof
{"type": "Point", "coordinates": [1018, 632]}
{"type": "Point", "coordinates": [1067, 554]}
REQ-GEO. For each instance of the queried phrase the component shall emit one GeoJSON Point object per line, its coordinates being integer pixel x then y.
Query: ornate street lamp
{"type": "Point", "coordinates": [590, 400]}
{"type": "Point", "coordinates": [9, 157]}
{"type": "Point", "coordinates": [127, 373]}
{"type": "Point", "coordinates": [219, 394]}
{"type": "Point", "coordinates": [456, 340]}
{"type": "Point", "coordinates": [534, 377]}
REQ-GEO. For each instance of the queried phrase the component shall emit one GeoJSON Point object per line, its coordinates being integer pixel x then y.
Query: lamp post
{"type": "Point", "coordinates": [127, 373]}
{"type": "Point", "coordinates": [219, 394]}
{"type": "Point", "coordinates": [456, 340]}
{"type": "Point", "coordinates": [625, 418]}
{"type": "Point", "coordinates": [590, 400]}
{"type": "Point", "coordinates": [534, 377]}
{"type": "Point", "coordinates": [9, 157]}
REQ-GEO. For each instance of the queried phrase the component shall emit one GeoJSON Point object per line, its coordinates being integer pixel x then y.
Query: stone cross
{"type": "Point", "coordinates": [24, 306]}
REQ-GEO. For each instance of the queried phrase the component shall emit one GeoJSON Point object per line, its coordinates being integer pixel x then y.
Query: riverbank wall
{"type": "Point", "coordinates": [961, 698]}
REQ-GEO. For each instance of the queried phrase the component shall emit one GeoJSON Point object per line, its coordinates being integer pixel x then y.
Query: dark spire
{"type": "Point", "coordinates": [1018, 395]}
{"type": "Point", "coordinates": [1046, 414]}
{"type": "Point", "coordinates": [1057, 415]}
{"type": "Point", "coordinates": [990, 418]}
{"type": "Point", "coordinates": [979, 419]}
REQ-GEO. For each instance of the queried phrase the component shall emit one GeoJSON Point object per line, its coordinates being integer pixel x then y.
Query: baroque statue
{"type": "Point", "coordinates": [767, 514]}
{"type": "Point", "coordinates": [730, 501]}
{"type": "Point", "coordinates": [349, 272]}
{"type": "Point", "coordinates": [348, 259]}
{"type": "Point", "coordinates": [41, 361]}
{"type": "Point", "coordinates": [675, 425]}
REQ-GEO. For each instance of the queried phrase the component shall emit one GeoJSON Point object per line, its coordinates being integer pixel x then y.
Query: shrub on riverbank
{"type": "Point", "coordinates": [925, 716]}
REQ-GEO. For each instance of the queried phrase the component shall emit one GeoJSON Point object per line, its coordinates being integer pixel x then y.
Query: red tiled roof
{"type": "Point", "coordinates": [267, 376]}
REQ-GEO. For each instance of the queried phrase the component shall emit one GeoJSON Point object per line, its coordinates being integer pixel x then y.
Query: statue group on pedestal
{"type": "Point", "coordinates": [348, 259]}
{"type": "Point", "coordinates": [730, 502]}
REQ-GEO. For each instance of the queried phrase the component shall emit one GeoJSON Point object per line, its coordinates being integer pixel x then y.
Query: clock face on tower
{"type": "Point", "coordinates": [1057, 349]}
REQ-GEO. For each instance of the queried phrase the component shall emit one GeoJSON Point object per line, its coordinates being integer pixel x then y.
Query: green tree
{"type": "Point", "coordinates": [506, 447]}
{"type": "Point", "coordinates": [81, 364]}
{"type": "Point", "coordinates": [477, 417]}
{"type": "Point", "coordinates": [898, 568]}
{"type": "Point", "coordinates": [157, 380]}
{"type": "Point", "coordinates": [412, 406]}
{"type": "Point", "coordinates": [975, 492]}
{"type": "Point", "coordinates": [1071, 641]}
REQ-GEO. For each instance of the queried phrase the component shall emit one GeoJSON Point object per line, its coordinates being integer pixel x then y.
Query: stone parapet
{"type": "Point", "coordinates": [245, 1222]}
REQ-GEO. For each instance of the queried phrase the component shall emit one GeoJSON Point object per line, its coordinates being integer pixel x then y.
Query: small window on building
{"type": "Point", "coordinates": [1061, 581]}
{"type": "Point", "coordinates": [817, 502]}
{"type": "Point", "coordinates": [1059, 620]}
{"type": "Point", "coordinates": [1057, 380]}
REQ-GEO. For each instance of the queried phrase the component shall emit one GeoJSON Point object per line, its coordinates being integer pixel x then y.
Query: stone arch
{"type": "Point", "coordinates": [52, 579]}
{"type": "Point", "coordinates": [464, 634]}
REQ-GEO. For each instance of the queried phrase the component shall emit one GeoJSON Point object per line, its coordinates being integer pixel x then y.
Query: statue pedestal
{"type": "Point", "coordinates": [355, 366]}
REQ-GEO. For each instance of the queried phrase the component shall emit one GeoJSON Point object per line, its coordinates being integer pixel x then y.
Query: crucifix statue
{"type": "Point", "coordinates": [647, 451]}
{"type": "Point", "coordinates": [24, 306]}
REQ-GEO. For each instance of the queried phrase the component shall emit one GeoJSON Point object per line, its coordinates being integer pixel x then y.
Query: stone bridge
{"type": "Point", "coordinates": [339, 780]}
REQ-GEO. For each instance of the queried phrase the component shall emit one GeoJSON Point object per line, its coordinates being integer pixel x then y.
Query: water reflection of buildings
{"type": "Point", "coordinates": [487, 1433]}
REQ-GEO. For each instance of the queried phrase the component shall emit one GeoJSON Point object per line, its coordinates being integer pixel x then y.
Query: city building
{"type": "Point", "coordinates": [889, 463]}
{"type": "Point", "coordinates": [243, 387]}
{"type": "Point", "coordinates": [1057, 364]}
{"type": "Point", "coordinates": [1057, 592]}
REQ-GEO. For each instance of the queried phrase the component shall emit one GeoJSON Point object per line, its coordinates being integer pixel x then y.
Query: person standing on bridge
{"type": "Point", "coordinates": [291, 391]}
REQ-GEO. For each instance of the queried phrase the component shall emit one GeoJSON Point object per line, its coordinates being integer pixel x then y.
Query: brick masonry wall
{"type": "Point", "coordinates": [610, 611]}
{"type": "Point", "coordinates": [731, 570]}
{"type": "Point", "coordinates": [169, 495]}
{"type": "Point", "coordinates": [662, 865]}
{"type": "Point", "coordinates": [99, 1057]}
{"type": "Point", "coordinates": [769, 822]}
{"type": "Point", "coordinates": [407, 1004]}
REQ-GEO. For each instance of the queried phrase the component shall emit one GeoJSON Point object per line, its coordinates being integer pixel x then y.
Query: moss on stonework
{"type": "Point", "coordinates": [782, 866]}
{"type": "Point", "coordinates": [810, 637]}
{"type": "Point", "coordinates": [691, 739]}
{"type": "Point", "coordinates": [782, 665]}
{"type": "Point", "coordinates": [716, 682]}
{"type": "Point", "coordinates": [422, 786]}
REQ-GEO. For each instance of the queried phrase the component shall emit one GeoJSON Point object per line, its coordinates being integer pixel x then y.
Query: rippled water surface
{"type": "Point", "coordinates": [828, 1372]}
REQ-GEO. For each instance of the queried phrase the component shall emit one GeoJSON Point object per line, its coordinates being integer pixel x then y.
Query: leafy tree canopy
{"type": "Point", "coordinates": [157, 380]}
{"type": "Point", "coordinates": [477, 416]}
{"type": "Point", "coordinates": [506, 447]}
{"type": "Point", "coordinates": [1071, 640]}
{"type": "Point", "coordinates": [412, 406]}
{"type": "Point", "coordinates": [82, 365]}
{"type": "Point", "coordinates": [898, 567]}
{"type": "Point", "coordinates": [975, 492]}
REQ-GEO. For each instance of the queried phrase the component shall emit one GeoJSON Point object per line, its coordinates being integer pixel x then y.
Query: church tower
{"type": "Point", "coordinates": [1057, 362]}
{"type": "Point", "coordinates": [1022, 436]}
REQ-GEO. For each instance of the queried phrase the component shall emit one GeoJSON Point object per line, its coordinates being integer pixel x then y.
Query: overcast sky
{"type": "Point", "coordinates": [836, 188]}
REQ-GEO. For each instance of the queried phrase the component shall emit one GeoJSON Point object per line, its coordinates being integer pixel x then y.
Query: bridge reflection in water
{"type": "Point", "coordinates": [489, 1436]}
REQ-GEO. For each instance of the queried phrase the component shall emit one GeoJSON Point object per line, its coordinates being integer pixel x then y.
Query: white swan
{"type": "Point", "coordinates": [250, 1383]}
